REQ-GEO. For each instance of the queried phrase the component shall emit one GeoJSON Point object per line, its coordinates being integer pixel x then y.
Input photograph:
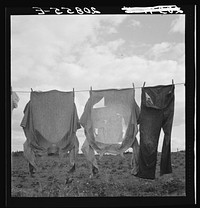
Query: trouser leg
{"type": "Point", "coordinates": [165, 165]}
{"type": "Point", "coordinates": [135, 157]}
{"type": "Point", "coordinates": [150, 126]}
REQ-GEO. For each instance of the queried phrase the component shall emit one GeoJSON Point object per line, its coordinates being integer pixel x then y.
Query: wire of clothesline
{"type": "Point", "coordinates": [18, 91]}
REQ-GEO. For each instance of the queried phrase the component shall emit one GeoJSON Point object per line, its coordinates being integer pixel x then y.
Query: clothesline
{"type": "Point", "coordinates": [18, 91]}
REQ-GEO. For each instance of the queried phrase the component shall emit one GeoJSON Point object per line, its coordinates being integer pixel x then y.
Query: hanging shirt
{"type": "Point", "coordinates": [50, 118]}
{"type": "Point", "coordinates": [110, 128]}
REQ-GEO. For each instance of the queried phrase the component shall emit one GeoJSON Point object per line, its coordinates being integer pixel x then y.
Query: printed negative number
{"type": "Point", "coordinates": [65, 10]}
{"type": "Point", "coordinates": [39, 10]}
{"type": "Point", "coordinates": [68, 10]}
{"type": "Point", "coordinates": [57, 11]}
{"type": "Point", "coordinates": [87, 10]}
{"type": "Point", "coordinates": [94, 11]}
{"type": "Point", "coordinates": [79, 10]}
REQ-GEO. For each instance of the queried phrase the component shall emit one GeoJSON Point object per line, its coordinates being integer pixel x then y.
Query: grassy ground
{"type": "Point", "coordinates": [114, 178]}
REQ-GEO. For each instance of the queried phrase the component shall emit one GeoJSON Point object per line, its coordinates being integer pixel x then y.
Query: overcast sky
{"type": "Point", "coordinates": [103, 51]}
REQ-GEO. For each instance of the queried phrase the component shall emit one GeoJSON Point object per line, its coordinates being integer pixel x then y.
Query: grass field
{"type": "Point", "coordinates": [114, 178]}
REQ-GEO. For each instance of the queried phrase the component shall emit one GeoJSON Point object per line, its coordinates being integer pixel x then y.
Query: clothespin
{"type": "Point", "coordinates": [144, 84]}
{"type": "Point", "coordinates": [133, 89]}
{"type": "Point", "coordinates": [90, 90]}
{"type": "Point", "coordinates": [73, 93]}
{"type": "Point", "coordinates": [172, 81]}
{"type": "Point", "coordinates": [31, 90]}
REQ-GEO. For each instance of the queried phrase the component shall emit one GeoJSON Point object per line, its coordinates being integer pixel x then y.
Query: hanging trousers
{"type": "Point", "coordinates": [157, 111]}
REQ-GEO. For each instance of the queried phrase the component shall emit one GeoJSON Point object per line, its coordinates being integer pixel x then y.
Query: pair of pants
{"type": "Point", "coordinates": [157, 111]}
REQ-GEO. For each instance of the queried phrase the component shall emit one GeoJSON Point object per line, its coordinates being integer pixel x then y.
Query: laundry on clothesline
{"type": "Point", "coordinates": [110, 120]}
{"type": "Point", "coordinates": [157, 111]}
{"type": "Point", "coordinates": [14, 100]}
{"type": "Point", "coordinates": [50, 120]}
{"type": "Point", "coordinates": [111, 128]}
